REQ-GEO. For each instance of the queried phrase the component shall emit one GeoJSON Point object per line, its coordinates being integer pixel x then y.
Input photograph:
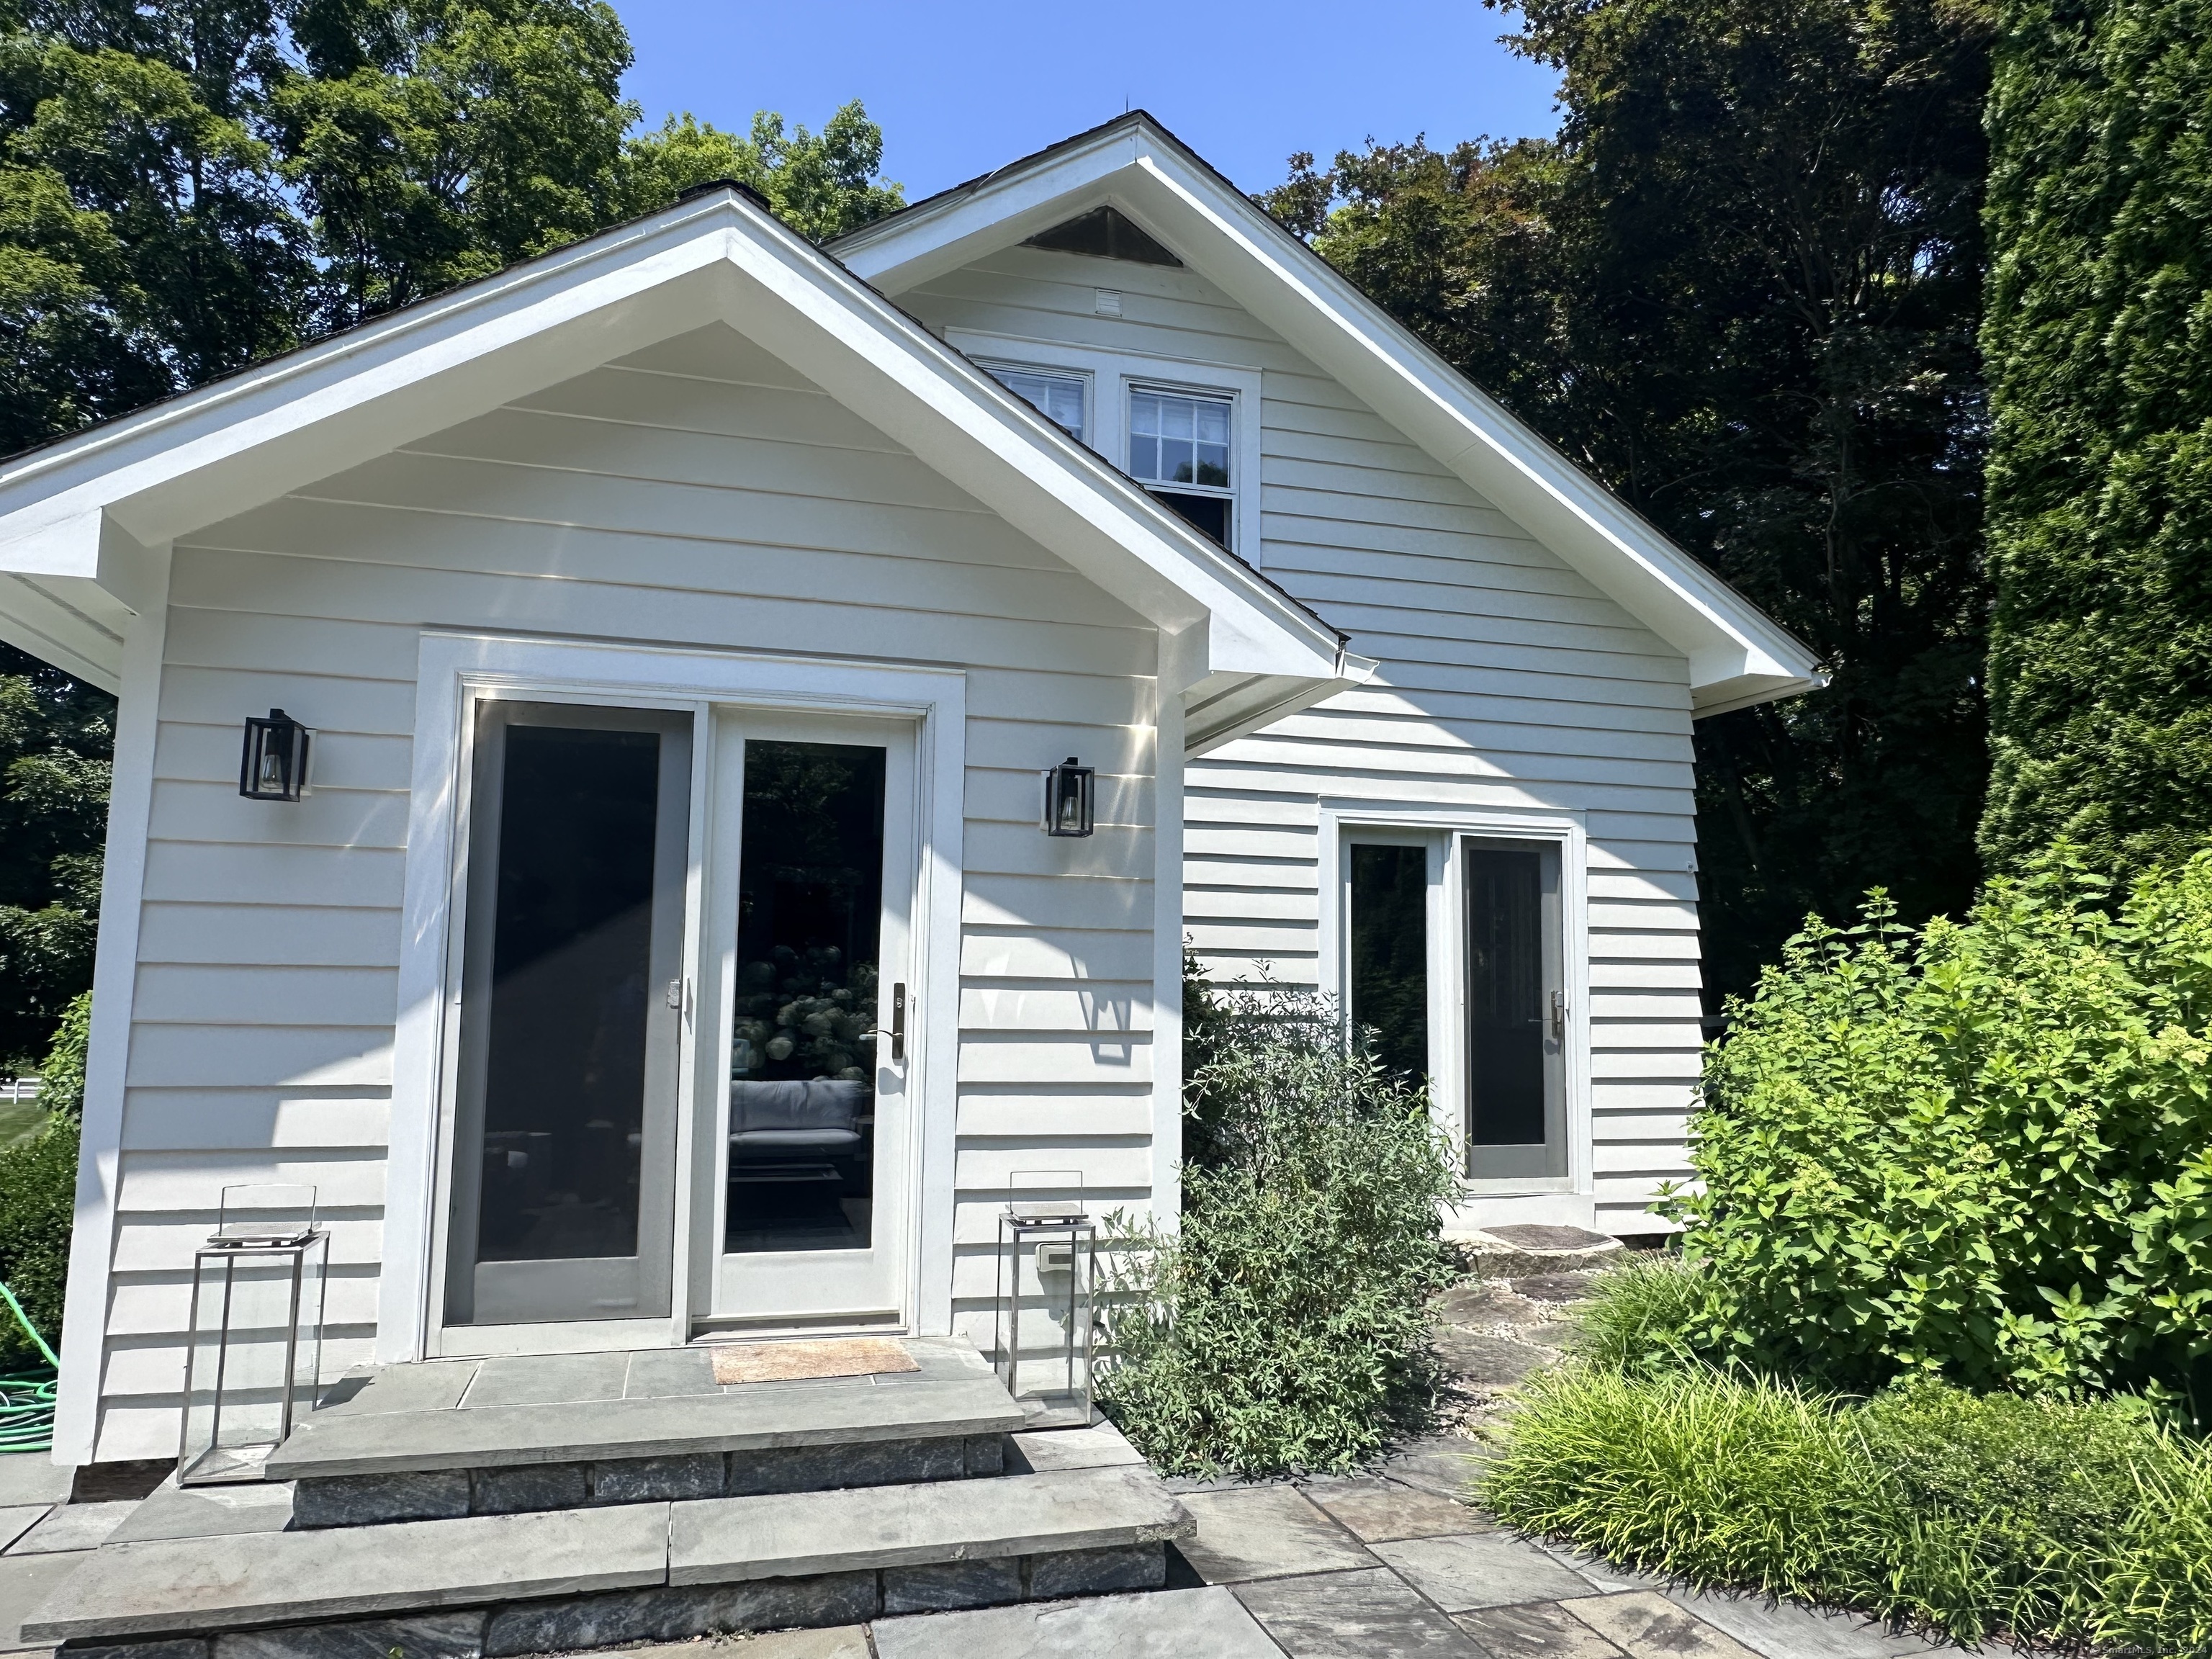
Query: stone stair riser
{"type": "Point", "coordinates": [674, 1613]}
{"type": "Point", "coordinates": [360, 1500]}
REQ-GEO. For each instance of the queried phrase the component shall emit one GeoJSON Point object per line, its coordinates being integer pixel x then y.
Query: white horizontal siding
{"type": "Point", "coordinates": [699, 493]}
{"type": "Point", "coordinates": [1508, 681]}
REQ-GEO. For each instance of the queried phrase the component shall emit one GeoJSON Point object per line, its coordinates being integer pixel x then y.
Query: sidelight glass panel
{"type": "Point", "coordinates": [803, 1065]}
{"type": "Point", "coordinates": [1389, 953]}
{"type": "Point", "coordinates": [563, 1156]}
{"type": "Point", "coordinates": [1515, 1014]}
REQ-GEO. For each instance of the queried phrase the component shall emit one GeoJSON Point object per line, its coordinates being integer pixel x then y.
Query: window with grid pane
{"type": "Point", "coordinates": [1179, 447]}
{"type": "Point", "coordinates": [1058, 397]}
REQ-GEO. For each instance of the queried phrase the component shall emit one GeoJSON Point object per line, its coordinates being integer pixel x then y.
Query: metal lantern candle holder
{"type": "Point", "coordinates": [257, 1335]}
{"type": "Point", "coordinates": [1048, 1263]}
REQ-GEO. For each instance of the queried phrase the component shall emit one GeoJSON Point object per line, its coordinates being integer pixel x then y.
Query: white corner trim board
{"type": "Point", "coordinates": [114, 981]}
{"type": "Point", "coordinates": [455, 669]}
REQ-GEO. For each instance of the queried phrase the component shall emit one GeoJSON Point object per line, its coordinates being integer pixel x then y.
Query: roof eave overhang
{"type": "Point", "coordinates": [79, 520]}
{"type": "Point", "coordinates": [1736, 652]}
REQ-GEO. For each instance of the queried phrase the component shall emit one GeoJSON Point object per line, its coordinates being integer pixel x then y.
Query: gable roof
{"type": "Point", "coordinates": [1737, 655]}
{"type": "Point", "coordinates": [85, 522]}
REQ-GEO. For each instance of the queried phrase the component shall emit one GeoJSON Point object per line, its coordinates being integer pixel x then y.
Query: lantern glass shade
{"type": "Point", "coordinates": [1042, 1322]}
{"type": "Point", "coordinates": [275, 764]}
{"type": "Point", "coordinates": [1070, 793]}
{"type": "Point", "coordinates": [254, 1361]}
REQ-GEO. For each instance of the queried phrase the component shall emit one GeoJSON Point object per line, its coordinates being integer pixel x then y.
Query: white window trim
{"type": "Point", "coordinates": [1343, 821]}
{"type": "Point", "coordinates": [1111, 374]}
{"type": "Point", "coordinates": [991, 366]}
{"type": "Point", "coordinates": [454, 667]}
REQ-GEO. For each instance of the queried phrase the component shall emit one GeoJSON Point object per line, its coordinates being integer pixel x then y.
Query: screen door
{"type": "Point", "coordinates": [814, 887]}
{"type": "Point", "coordinates": [563, 1161]}
{"type": "Point", "coordinates": [1515, 1011]}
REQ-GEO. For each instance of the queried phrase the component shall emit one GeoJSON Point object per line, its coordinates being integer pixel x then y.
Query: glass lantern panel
{"type": "Point", "coordinates": [1045, 1339]}
{"type": "Point", "coordinates": [253, 1356]}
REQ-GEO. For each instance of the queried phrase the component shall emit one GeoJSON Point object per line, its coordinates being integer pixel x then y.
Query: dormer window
{"type": "Point", "coordinates": [1179, 448]}
{"type": "Point", "coordinates": [1058, 397]}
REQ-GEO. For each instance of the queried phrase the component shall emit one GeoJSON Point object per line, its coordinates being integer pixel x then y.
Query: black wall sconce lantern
{"type": "Point", "coordinates": [275, 764]}
{"type": "Point", "coordinates": [1070, 790]}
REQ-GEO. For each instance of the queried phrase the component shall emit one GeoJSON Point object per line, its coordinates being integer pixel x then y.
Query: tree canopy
{"type": "Point", "coordinates": [188, 187]}
{"type": "Point", "coordinates": [1741, 287]}
{"type": "Point", "coordinates": [2100, 476]}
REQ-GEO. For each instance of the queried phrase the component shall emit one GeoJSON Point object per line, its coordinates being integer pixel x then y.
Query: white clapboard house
{"type": "Point", "coordinates": [668, 943]}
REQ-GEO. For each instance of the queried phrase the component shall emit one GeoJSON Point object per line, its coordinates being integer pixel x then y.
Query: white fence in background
{"type": "Point", "coordinates": [16, 1089]}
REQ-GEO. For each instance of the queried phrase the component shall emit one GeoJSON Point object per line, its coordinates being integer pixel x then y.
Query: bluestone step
{"type": "Point", "coordinates": [722, 1539]}
{"type": "Point", "coordinates": [582, 1578]}
{"type": "Point", "coordinates": [177, 1586]}
{"type": "Point", "coordinates": [494, 1437]}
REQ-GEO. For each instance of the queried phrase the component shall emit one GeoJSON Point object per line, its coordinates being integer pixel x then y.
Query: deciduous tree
{"type": "Point", "coordinates": [1741, 287]}
{"type": "Point", "coordinates": [187, 187]}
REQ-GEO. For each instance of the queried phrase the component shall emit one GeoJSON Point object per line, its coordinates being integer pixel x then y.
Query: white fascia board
{"type": "Point", "coordinates": [215, 453]}
{"type": "Point", "coordinates": [937, 237]}
{"type": "Point", "coordinates": [1727, 641]}
{"type": "Point", "coordinates": [245, 440]}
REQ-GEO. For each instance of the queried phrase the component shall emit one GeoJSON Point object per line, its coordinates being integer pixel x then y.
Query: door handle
{"type": "Point", "coordinates": [899, 1024]}
{"type": "Point", "coordinates": [1560, 1015]}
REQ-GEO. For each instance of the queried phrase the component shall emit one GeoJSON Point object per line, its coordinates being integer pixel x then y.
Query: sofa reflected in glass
{"type": "Point", "coordinates": [801, 1163]}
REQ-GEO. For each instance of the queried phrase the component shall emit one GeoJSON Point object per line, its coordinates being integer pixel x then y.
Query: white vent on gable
{"type": "Point", "coordinates": [1107, 302]}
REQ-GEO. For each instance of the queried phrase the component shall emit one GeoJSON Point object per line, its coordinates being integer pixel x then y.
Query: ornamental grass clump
{"type": "Point", "coordinates": [1285, 1325]}
{"type": "Point", "coordinates": [1981, 1515]}
{"type": "Point", "coordinates": [1980, 1151]}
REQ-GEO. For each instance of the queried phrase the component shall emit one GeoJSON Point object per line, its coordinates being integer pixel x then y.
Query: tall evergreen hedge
{"type": "Point", "coordinates": [2098, 341]}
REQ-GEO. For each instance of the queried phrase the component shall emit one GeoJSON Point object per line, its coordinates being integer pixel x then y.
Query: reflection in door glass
{"type": "Point", "coordinates": [802, 1052]}
{"type": "Point", "coordinates": [1391, 954]}
{"type": "Point", "coordinates": [1506, 1017]}
{"type": "Point", "coordinates": [564, 1088]}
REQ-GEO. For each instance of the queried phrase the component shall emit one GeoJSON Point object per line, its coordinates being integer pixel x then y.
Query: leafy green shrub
{"type": "Point", "coordinates": [38, 1195]}
{"type": "Point", "coordinates": [1285, 1325]}
{"type": "Point", "coordinates": [1981, 1151]}
{"type": "Point", "coordinates": [1979, 1514]}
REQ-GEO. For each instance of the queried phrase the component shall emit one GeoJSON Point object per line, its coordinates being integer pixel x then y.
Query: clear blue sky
{"type": "Point", "coordinates": [962, 86]}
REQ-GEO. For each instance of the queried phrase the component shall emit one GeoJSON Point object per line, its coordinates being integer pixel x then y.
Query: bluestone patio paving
{"type": "Point", "coordinates": [26, 1581]}
{"type": "Point", "coordinates": [1371, 1615]}
{"type": "Point", "coordinates": [1540, 1630]}
{"type": "Point", "coordinates": [1169, 1625]}
{"type": "Point", "coordinates": [1382, 1512]}
{"type": "Point", "coordinates": [1266, 1532]}
{"type": "Point", "coordinates": [1486, 1569]}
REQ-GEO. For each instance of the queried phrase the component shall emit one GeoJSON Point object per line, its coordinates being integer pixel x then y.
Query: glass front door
{"type": "Point", "coordinates": [564, 1159]}
{"type": "Point", "coordinates": [815, 874]}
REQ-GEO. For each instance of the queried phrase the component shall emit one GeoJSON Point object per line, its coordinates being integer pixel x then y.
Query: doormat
{"type": "Point", "coordinates": [792, 1362]}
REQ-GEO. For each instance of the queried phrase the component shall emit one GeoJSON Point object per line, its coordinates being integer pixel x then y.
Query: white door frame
{"type": "Point", "coordinates": [456, 668]}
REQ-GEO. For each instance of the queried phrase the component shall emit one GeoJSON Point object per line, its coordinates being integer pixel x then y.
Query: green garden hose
{"type": "Point", "coordinates": [27, 1398]}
